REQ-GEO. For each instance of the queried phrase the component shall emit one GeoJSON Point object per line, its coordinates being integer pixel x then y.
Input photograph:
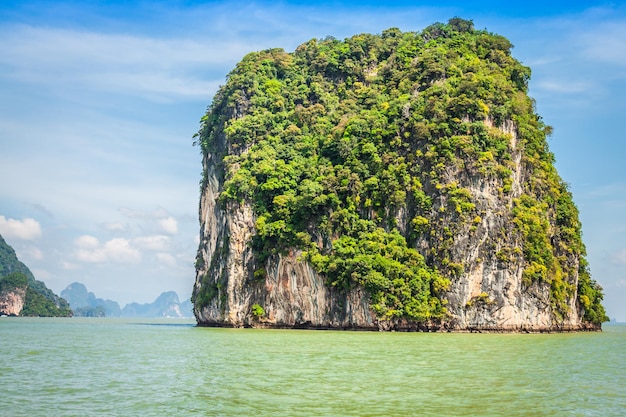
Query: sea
{"type": "Point", "coordinates": [170, 367]}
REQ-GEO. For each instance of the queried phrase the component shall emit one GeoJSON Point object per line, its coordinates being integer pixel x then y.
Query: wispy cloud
{"type": "Point", "coordinates": [115, 227]}
{"type": "Point", "coordinates": [572, 55]}
{"type": "Point", "coordinates": [619, 257]}
{"type": "Point", "coordinates": [34, 253]}
{"type": "Point", "coordinates": [609, 194]}
{"type": "Point", "coordinates": [605, 44]}
{"type": "Point", "coordinates": [112, 63]}
{"type": "Point", "coordinates": [166, 259]}
{"type": "Point", "coordinates": [154, 243]}
{"type": "Point", "coordinates": [158, 213]}
{"type": "Point", "coordinates": [564, 87]}
{"type": "Point", "coordinates": [69, 266]}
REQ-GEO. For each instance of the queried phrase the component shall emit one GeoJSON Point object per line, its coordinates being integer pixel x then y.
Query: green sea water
{"type": "Point", "coordinates": [112, 367]}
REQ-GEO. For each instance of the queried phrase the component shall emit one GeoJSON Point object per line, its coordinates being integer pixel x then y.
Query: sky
{"type": "Point", "coordinates": [99, 101]}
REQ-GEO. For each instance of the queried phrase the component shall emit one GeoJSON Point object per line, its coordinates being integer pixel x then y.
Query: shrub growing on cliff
{"type": "Point", "coordinates": [257, 311]}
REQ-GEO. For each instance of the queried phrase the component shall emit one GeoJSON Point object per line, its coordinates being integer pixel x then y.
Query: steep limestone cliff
{"type": "Point", "coordinates": [12, 301]}
{"type": "Point", "coordinates": [400, 181]}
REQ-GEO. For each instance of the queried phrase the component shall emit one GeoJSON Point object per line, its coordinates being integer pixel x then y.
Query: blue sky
{"type": "Point", "coordinates": [99, 102]}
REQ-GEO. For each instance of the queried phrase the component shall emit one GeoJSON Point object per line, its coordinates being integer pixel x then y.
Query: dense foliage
{"type": "Point", "coordinates": [353, 151]}
{"type": "Point", "coordinates": [13, 281]}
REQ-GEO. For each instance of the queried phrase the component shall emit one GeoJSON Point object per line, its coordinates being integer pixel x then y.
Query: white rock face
{"type": "Point", "coordinates": [489, 295]}
{"type": "Point", "coordinates": [12, 302]}
{"type": "Point", "coordinates": [292, 294]}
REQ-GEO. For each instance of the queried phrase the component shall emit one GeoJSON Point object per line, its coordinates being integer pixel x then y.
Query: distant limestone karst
{"type": "Point", "coordinates": [166, 305]}
{"type": "Point", "coordinates": [85, 304]}
{"type": "Point", "coordinates": [399, 181]}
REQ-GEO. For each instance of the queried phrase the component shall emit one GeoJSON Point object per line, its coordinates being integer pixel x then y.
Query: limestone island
{"type": "Point", "coordinates": [399, 181]}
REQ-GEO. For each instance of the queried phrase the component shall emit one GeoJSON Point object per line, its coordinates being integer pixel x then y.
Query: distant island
{"type": "Point", "coordinates": [85, 304]}
{"type": "Point", "coordinates": [393, 181]}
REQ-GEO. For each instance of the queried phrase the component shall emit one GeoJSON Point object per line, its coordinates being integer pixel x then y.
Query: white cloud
{"type": "Point", "coordinates": [90, 255]}
{"type": "Point", "coordinates": [87, 242]}
{"type": "Point", "coordinates": [116, 250]}
{"type": "Point", "coordinates": [155, 243]}
{"type": "Point", "coordinates": [164, 221]}
{"type": "Point", "coordinates": [116, 227]}
{"type": "Point", "coordinates": [169, 225]}
{"type": "Point", "coordinates": [27, 229]}
{"type": "Point", "coordinates": [119, 250]}
{"type": "Point", "coordinates": [69, 266]}
{"type": "Point", "coordinates": [166, 259]}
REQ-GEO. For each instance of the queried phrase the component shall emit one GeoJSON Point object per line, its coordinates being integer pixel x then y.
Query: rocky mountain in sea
{"type": "Point", "coordinates": [21, 294]}
{"type": "Point", "coordinates": [85, 304]}
{"type": "Point", "coordinates": [166, 305]}
{"type": "Point", "coordinates": [395, 181]}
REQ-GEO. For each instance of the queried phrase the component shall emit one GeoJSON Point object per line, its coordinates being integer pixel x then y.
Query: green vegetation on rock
{"type": "Point", "coordinates": [39, 300]}
{"type": "Point", "coordinates": [359, 152]}
{"type": "Point", "coordinates": [13, 281]}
